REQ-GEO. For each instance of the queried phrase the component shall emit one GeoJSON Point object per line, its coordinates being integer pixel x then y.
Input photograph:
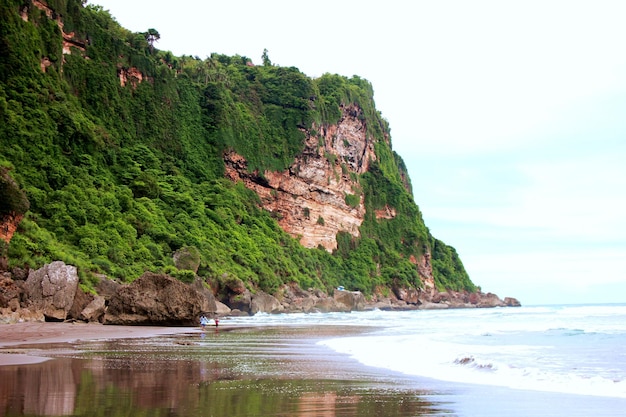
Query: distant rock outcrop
{"type": "Point", "coordinates": [512, 302]}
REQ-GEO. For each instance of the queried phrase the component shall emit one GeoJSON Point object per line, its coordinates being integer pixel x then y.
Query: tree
{"type": "Point", "coordinates": [266, 58]}
{"type": "Point", "coordinates": [13, 200]}
{"type": "Point", "coordinates": [152, 36]}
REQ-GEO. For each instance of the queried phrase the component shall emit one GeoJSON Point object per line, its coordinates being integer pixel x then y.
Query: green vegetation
{"type": "Point", "coordinates": [120, 176]}
{"type": "Point", "coordinates": [13, 200]}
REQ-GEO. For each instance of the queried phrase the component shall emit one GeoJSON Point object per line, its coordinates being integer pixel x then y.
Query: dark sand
{"type": "Point", "coordinates": [95, 370]}
{"type": "Point", "coordinates": [44, 334]}
{"type": "Point", "coordinates": [236, 371]}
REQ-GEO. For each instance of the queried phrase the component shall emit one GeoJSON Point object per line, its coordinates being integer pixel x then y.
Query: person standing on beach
{"type": "Point", "coordinates": [203, 321]}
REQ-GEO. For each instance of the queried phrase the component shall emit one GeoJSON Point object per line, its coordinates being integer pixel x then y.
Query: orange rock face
{"type": "Point", "coordinates": [309, 198]}
{"type": "Point", "coordinates": [8, 226]}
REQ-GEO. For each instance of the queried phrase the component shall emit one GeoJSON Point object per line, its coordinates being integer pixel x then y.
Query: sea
{"type": "Point", "coordinates": [577, 351]}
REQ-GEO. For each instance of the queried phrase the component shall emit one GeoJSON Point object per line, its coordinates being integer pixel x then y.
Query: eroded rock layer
{"type": "Point", "coordinates": [317, 197]}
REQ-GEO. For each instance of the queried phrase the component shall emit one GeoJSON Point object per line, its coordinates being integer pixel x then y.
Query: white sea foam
{"type": "Point", "coordinates": [477, 364]}
{"type": "Point", "coordinates": [567, 349]}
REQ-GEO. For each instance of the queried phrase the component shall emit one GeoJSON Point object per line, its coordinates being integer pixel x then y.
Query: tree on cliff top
{"type": "Point", "coordinates": [152, 36]}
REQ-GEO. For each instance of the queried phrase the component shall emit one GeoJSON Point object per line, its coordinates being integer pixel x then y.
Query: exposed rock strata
{"type": "Point", "coordinates": [8, 226]}
{"type": "Point", "coordinates": [69, 38]}
{"type": "Point", "coordinates": [310, 197]}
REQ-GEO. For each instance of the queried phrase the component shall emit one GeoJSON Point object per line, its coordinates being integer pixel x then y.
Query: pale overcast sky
{"type": "Point", "coordinates": [510, 116]}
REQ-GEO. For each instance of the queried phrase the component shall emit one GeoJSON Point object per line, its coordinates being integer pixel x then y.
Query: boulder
{"type": "Point", "coordinates": [81, 300]}
{"type": "Point", "coordinates": [221, 309]}
{"type": "Point", "coordinates": [156, 299]}
{"type": "Point", "coordinates": [349, 300]}
{"type": "Point", "coordinates": [490, 300]}
{"type": "Point", "coordinates": [52, 289]}
{"type": "Point", "coordinates": [9, 293]}
{"type": "Point", "coordinates": [408, 295]}
{"type": "Point", "coordinates": [326, 305]}
{"type": "Point", "coordinates": [199, 286]}
{"type": "Point", "coordinates": [294, 299]}
{"type": "Point", "coordinates": [234, 285]}
{"type": "Point", "coordinates": [240, 301]}
{"type": "Point", "coordinates": [94, 311]}
{"type": "Point", "coordinates": [441, 297]}
{"type": "Point", "coordinates": [300, 305]}
{"type": "Point", "coordinates": [106, 287]}
{"type": "Point", "coordinates": [238, 313]}
{"type": "Point", "coordinates": [512, 302]}
{"type": "Point", "coordinates": [264, 303]}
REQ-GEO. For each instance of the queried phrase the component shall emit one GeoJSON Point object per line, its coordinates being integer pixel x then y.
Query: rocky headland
{"type": "Point", "coordinates": [321, 195]}
{"type": "Point", "coordinates": [52, 293]}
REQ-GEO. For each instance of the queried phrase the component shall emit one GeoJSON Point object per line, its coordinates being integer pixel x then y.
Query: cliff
{"type": "Point", "coordinates": [129, 155]}
{"type": "Point", "coordinates": [309, 197]}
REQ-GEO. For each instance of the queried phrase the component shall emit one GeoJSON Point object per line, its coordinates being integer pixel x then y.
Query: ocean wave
{"type": "Point", "coordinates": [567, 349]}
{"type": "Point", "coordinates": [516, 368]}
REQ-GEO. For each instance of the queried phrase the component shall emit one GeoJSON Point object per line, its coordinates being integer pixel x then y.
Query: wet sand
{"type": "Point", "coordinates": [236, 371]}
{"type": "Point", "coordinates": [44, 333]}
{"type": "Point", "coordinates": [233, 371]}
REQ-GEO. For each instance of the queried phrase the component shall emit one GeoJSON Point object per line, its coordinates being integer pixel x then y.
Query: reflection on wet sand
{"type": "Point", "coordinates": [49, 388]}
{"type": "Point", "coordinates": [250, 373]}
{"type": "Point", "coordinates": [318, 405]}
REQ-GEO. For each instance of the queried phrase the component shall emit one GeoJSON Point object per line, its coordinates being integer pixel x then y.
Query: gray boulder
{"type": "Point", "coordinates": [52, 289]}
{"type": "Point", "coordinates": [221, 309]}
{"type": "Point", "coordinates": [265, 303]}
{"type": "Point", "coordinates": [349, 300]}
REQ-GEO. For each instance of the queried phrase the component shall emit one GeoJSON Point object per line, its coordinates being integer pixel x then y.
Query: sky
{"type": "Point", "coordinates": [508, 114]}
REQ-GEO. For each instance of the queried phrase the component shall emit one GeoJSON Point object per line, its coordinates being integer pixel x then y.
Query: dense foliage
{"type": "Point", "coordinates": [121, 177]}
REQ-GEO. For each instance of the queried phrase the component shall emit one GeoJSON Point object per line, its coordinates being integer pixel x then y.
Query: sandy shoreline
{"type": "Point", "coordinates": [200, 373]}
{"type": "Point", "coordinates": [37, 333]}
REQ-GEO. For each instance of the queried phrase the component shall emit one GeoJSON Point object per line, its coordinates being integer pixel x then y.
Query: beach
{"type": "Point", "coordinates": [231, 371]}
{"type": "Point", "coordinates": [37, 335]}
{"type": "Point", "coordinates": [306, 365]}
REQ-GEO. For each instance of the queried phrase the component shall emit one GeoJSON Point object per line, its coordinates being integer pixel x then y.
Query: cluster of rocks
{"type": "Point", "coordinates": [52, 293]}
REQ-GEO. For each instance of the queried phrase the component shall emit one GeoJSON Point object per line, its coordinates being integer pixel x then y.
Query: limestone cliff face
{"type": "Point", "coordinates": [310, 197]}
